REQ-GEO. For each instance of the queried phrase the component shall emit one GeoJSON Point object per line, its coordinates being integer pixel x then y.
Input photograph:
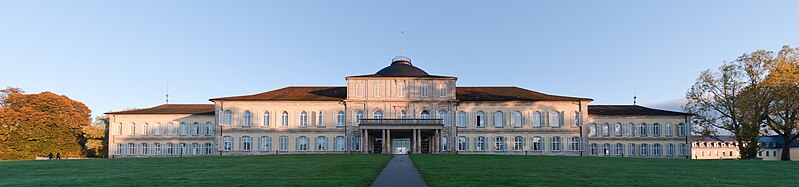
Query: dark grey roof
{"type": "Point", "coordinates": [775, 141]}
{"type": "Point", "coordinates": [401, 66]}
{"type": "Point", "coordinates": [631, 110]}
{"type": "Point", "coordinates": [196, 109]}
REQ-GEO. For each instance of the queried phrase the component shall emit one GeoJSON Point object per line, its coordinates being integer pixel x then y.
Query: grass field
{"type": "Point", "coordinates": [482, 170]}
{"type": "Point", "coordinates": [280, 170]}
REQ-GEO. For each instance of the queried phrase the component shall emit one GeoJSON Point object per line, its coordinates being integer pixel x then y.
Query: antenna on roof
{"type": "Point", "coordinates": [635, 94]}
{"type": "Point", "coordinates": [402, 36]}
{"type": "Point", "coordinates": [167, 91]}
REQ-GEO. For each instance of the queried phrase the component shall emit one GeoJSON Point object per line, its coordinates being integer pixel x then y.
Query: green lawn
{"type": "Point", "coordinates": [280, 170]}
{"type": "Point", "coordinates": [492, 170]}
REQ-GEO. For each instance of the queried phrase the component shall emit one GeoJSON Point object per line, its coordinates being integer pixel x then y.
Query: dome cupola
{"type": "Point", "coordinates": [401, 67]}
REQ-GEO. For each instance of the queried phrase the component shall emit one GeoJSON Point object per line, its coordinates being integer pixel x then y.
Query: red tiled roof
{"type": "Point", "coordinates": [632, 110]}
{"type": "Point", "coordinates": [294, 93]}
{"type": "Point", "coordinates": [198, 109]}
{"type": "Point", "coordinates": [508, 93]}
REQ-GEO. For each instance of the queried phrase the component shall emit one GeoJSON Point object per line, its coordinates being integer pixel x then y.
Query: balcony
{"type": "Point", "coordinates": [402, 122]}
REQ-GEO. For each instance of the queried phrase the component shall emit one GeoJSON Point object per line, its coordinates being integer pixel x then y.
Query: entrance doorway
{"type": "Point", "coordinates": [401, 145]}
{"type": "Point", "coordinates": [378, 145]}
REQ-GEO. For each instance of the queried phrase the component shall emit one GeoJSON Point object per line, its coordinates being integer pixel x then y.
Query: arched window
{"type": "Point", "coordinates": [631, 147]}
{"type": "Point", "coordinates": [158, 129]}
{"type": "Point", "coordinates": [518, 143]}
{"type": "Point", "coordinates": [594, 149]}
{"type": "Point", "coordinates": [463, 143]}
{"type": "Point", "coordinates": [403, 115]}
{"type": "Point", "coordinates": [197, 129]}
{"type": "Point", "coordinates": [499, 143]}
{"type": "Point", "coordinates": [170, 148]}
{"type": "Point", "coordinates": [605, 129]}
{"type": "Point", "coordinates": [284, 143]}
{"type": "Point", "coordinates": [132, 128]}
{"type": "Point", "coordinates": [538, 144]}
{"type": "Point", "coordinates": [518, 120]}
{"type": "Point", "coordinates": [557, 119]}
{"type": "Point", "coordinates": [556, 144]}
{"type": "Point", "coordinates": [630, 131]}
{"type": "Point", "coordinates": [195, 149]}
{"type": "Point", "coordinates": [171, 130]}
{"type": "Point", "coordinates": [266, 143]}
{"type": "Point", "coordinates": [209, 148]}
{"type": "Point", "coordinates": [145, 129]}
{"type": "Point", "coordinates": [358, 117]}
{"type": "Point", "coordinates": [247, 119]}
{"type": "Point", "coordinates": [321, 119]}
{"type": "Point", "coordinates": [303, 119]}
{"type": "Point", "coordinates": [209, 129]}
{"type": "Point", "coordinates": [480, 144]}
{"type": "Point", "coordinates": [479, 119]}
{"type": "Point", "coordinates": [444, 115]}
{"type": "Point", "coordinates": [499, 119]}
{"type": "Point", "coordinates": [681, 130]}
{"type": "Point", "coordinates": [340, 121]}
{"type": "Point", "coordinates": [228, 117]}
{"type": "Point", "coordinates": [339, 144]}
{"type": "Point", "coordinates": [657, 150]}
{"type": "Point", "coordinates": [576, 144]}
{"type": "Point", "coordinates": [119, 129]}
{"type": "Point", "coordinates": [284, 119]}
{"type": "Point", "coordinates": [642, 131]}
{"type": "Point", "coordinates": [183, 148]}
{"type": "Point", "coordinates": [425, 114]}
{"type": "Point", "coordinates": [321, 143]}
{"type": "Point", "coordinates": [656, 130]}
{"type": "Point", "coordinates": [302, 143]}
{"type": "Point", "coordinates": [606, 149]}
{"type": "Point", "coordinates": [246, 142]}
{"type": "Point", "coordinates": [184, 128]}
{"type": "Point", "coordinates": [592, 131]}
{"type": "Point", "coordinates": [619, 149]}
{"type": "Point", "coordinates": [267, 119]}
{"type": "Point", "coordinates": [356, 143]}
{"type": "Point", "coordinates": [538, 120]}
{"type": "Point", "coordinates": [378, 115]}
{"type": "Point", "coordinates": [463, 120]}
{"type": "Point", "coordinates": [157, 149]}
{"type": "Point", "coordinates": [669, 128]}
{"type": "Point", "coordinates": [228, 141]}
{"type": "Point", "coordinates": [617, 129]}
{"type": "Point", "coordinates": [576, 121]}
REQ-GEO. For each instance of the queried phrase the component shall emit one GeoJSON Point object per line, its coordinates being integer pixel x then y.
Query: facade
{"type": "Point", "coordinates": [719, 148]}
{"type": "Point", "coordinates": [400, 109]}
{"type": "Point", "coordinates": [771, 148]}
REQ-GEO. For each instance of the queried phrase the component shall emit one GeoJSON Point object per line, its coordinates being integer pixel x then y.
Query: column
{"type": "Point", "coordinates": [413, 141]}
{"type": "Point", "coordinates": [388, 142]}
{"type": "Point", "coordinates": [365, 140]}
{"type": "Point", "coordinates": [383, 144]}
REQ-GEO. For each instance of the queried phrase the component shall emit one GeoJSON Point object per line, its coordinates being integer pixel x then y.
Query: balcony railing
{"type": "Point", "coordinates": [401, 122]}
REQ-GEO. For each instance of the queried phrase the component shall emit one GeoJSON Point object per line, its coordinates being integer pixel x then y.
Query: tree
{"type": "Point", "coordinates": [782, 114]}
{"type": "Point", "coordinates": [97, 137]}
{"type": "Point", "coordinates": [730, 99]}
{"type": "Point", "coordinates": [37, 124]}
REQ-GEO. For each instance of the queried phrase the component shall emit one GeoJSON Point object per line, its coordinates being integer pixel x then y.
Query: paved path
{"type": "Point", "coordinates": [399, 172]}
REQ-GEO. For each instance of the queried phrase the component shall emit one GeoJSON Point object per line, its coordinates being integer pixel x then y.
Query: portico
{"type": "Point", "coordinates": [401, 136]}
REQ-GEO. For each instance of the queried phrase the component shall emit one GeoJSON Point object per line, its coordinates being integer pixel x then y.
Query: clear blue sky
{"type": "Point", "coordinates": [115, 55]}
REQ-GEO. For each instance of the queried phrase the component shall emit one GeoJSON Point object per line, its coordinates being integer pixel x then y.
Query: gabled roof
{"type": "Point", "coordinates": [631, 110]}
{"type": "Point", "coordinates": [196, 109]}
{"type": "Point", "coordinates": [775, 141]}
{"type": "Point", "coordinates": [294, 93]}
{"type": "Point", "coordinates": [508, 93]}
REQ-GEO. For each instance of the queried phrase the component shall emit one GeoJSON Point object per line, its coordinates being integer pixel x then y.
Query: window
{"type": "Point", "coordinates": [403, 115]}
{"type": "Point", "coordinates": [266, 143]}
{"type": "Point", "coordinates": [184, 128]}
{"type": "Point", "coordinates": [340, 118]}
{"type": "Point", "coordinates": [619, 149]}
{"type": "Point", "coordinates": [630, 131]}
{"type": "Point", "coordinates": [557, 119]}
{"type": "Point", "coordinates": [594, 149]}
{"type": "Point", "coordinates": [247, 119]}
{"type": "Point", "coordinates": [172, 130]}
{"type": "Point", "coordinates": [605, 130]}
{"type": "Point", "coordinates": [617, 130]}
{"type": "Point", "coordinates": [145, 149]}
{"type": "Point", "coordinates": [132, 129]}
{"type": "Point", "coordinates": [228, 141]}
{"type": "Point", "coordinates": [669, 130]}
{"type": "Point", "coordinates": [120, 149]}
{"type": "Point", "coordinates": [463, 143]}
{"type": "Point", "coordinates": [321, 143]}
{"type": "Point", "coordinates": [683, 149]}
{"type": "Point", "coordinates": [267, 119]}
{"type": "Point", "coordinates": [358, 90]}
{"type": "Point", "coordinates": [246, 143]}
{"type": "Point", "coordinates": [170, 148]}
{"type": "Point", "coordinates": [670, 149]}
{"type": "Point", "coordinates": [606, 149]}
{"type": "Point", "coordinates": [378, 90]}
{"type": "Point", "coordinates": [145, 129]}
{"type": "Point", "coordinates": [518, 120]}
{"type": "Point", "coordinates": [575, 144]}
{"type": "Point", "coordinates": [303, 119]}
{"type": "Point", "coordinates": [657, 150]}
{"type": "Point", "coordinates": [378, 115]}
{"type": "Point", "coordinates": [681, 130]}
{"type": "Point", "coordinates": [209, 148]}
{"type": "Point", "coordinates": [284, 119]}
{"type": "Point", "coordinates": [445, 143]}
{"type": "Point", "coordinates": [479, 119]}
{"type": "Point", "coordinates": [321, 119]}
{"type": "Point", "coordinates": [424, 90]}
{"type": "Point", "coordinates": [302, 143]}
{"type": "Point", "coordinates": [356, 143]}
{"type": "Point", "coordinates": [642, 132]}
{"type": "Point", "coordinates": [284, 143]}
{"type": "Point", "coordinates": [518, 143]}
{"type": "Point", "coordinates": [444, 115]}
{"type": "Point", "coordinates": [644, 150]}
{"type": "Point", "coordinates": [499, 119]}
{"type": "Point", "coordinates": [480, 144]}
{"type": "Point", "coordinates": [425, 114]}
{"type": "Point", "coordinates": [157, 149]}
{"type": "Point", "coordinates": [442, 90]}
{"type": "Point", "coordinates": [576, 121]}
{"type": "Point", "coordinates": [195, 149]}
{"type": "Point", "coordinates": [499, 143]}
{"type": "Point", "coordinates": [228, 118]}
{"type": "Point", "coordinates": [183, 148]}
{"type": "Point", "coordinates": [592, 131]}
{"type": "Point", "coordinates": [538, 120]}
{"type": "Point", "coordinates": [656, 130]}
{"type": "Point", "coordinates": [538, 144]}
{"type": "Point", "coordinates": [463, 120]}
{"type": "Point", "coordinates": [119, 129]}
{"type": "Point", "coordinates": [197, 129]}
{"type": "Point", "coordinates": [556, 144]}
{"type": "Point", "coordinates": [209, 129]}
{"type": "Point", "coordinates": [632, 149]}
{"type": "Point", "coordinates": [358, 117]}
{"type": "Point", "coordinates": [132, 149]}
{"type": "Point", "coordinates": [401, 90]}
{"type": "Point", "coordinates": [339, 144]}
{"type": "Point", "coordinates": [158, 129]}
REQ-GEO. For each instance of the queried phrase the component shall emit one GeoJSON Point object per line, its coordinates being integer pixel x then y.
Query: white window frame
{"type": "Point", "coordinates": [378, 90]}
{"type": "Point", "coordinates": [341, 119]}
{"type": "Point", "coordinates": [424, 90]}
{"type": "Point", "coordinates": [359, 90]}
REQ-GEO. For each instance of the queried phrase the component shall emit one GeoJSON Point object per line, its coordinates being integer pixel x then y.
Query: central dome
{"type": "Point", "coordinates": [401, 67]}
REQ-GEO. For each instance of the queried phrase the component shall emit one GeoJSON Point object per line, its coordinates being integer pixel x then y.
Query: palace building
{"type": "Point", "coordinates": [400, 109]}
